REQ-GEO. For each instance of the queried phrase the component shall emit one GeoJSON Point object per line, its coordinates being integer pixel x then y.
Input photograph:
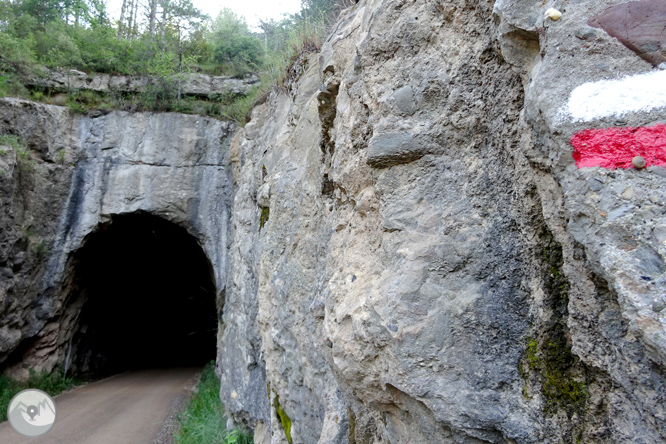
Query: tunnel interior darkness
{"type": "Point", "coordinates": [147, 298]}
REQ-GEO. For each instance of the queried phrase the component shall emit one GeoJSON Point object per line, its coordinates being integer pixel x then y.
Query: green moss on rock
{"type": "Point", "coordinates": [264, 217]}
{"type": "Point", "coordinates": [284, 419]}
{"type": "Point", "coordinates": [549, 356]}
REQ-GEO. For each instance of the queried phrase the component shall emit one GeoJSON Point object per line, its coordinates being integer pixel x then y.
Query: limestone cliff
{"type": "Point", "coordinates": [405, 248]}
{"type": "Point", "coordinates": [70, 178]}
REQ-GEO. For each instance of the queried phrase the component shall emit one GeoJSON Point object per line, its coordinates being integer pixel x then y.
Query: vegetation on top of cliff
{"type": "Point", "coordinates": [203, 420]}
{"type": "Point", "coordinates": [163, 39]}
{"type": "Point", "coordinates": [51, 383]}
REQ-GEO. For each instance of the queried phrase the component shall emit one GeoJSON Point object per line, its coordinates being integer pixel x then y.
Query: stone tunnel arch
{"type": "Point", "coordinates": [141, 293]}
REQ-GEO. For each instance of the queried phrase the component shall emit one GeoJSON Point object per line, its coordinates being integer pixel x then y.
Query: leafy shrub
{"type": "Point", "coordinates": [15, 52]}
{"type": "Point", "coordinates": [101, 51]}
{"type": "Point", "coordinates": [10, 140]}
{"type": "Point", "coordinates": [55, 48]}
{"type": "Point", "coordinates": [76, 108]}
{"type": "Point", "coordinates": [10, 85]}
{"type": "Point", "coordinates": [23, 157]}
{"type": "Point", "coordinates": [237, 49]}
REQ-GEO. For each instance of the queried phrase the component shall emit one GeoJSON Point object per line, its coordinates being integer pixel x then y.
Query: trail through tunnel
{"type": "Point", "coordinates": [147, 298]}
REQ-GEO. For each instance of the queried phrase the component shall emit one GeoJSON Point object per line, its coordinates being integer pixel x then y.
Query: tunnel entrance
{"type": "Point", "coordinates": [147, 298]}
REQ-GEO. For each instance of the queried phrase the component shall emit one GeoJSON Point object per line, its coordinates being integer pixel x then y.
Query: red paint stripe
{"type": "Point", "coordinates": [615, 147]}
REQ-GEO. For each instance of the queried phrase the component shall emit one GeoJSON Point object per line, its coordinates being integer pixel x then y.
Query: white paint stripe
{"type": "Point", "coordinates": [605, 98]}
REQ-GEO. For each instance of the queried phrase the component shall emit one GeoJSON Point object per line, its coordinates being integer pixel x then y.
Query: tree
{"type": "Point", "coordinates": [276, 33]}
{"type": "Point", "coordinates": [234, 45]}
{"type": "Point", "coordinates": [44, 11]}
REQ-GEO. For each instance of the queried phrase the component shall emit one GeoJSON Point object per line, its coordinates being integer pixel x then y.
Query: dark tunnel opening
{"type": "Point", "coordinates": [148, 298]}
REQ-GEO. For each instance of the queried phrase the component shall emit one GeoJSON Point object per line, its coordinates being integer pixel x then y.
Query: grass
{"type": "Point", "coordinates": [288, 64]}
{"type": "Point", "coordinates": [53, 384]}
{"type": "Point", "coordinates": [203, 421]}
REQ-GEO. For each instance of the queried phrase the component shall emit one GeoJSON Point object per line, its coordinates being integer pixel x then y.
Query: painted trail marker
{"type": "Point", "coordinates": [616, 147]}
{"type": "Point", "coordinates": [607, 98]}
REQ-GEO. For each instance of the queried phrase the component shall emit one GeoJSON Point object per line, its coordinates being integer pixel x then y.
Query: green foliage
{"type": "Point", "coordinates": [43, 11]}
{"type": "Point", "coordinates": [10, 140]}
{"type": "Point", "coordinates": [76, 107]}
{"type": "Point", "coordinates": [10, 85]}
{"type": "Point", "coordinates": [237, 49]}
{"type": "Point", "coordinates": [53, 384]}
{"type": "Point", "coordinates": [41, 250]}
{"type": "Point", "coordinates": [24, 160]}
{"type": "Point", "coordinates": [15, 51]}
{"type": "Point", "coordinates": [101, 51]}
{"type": "Point", "coordinates": [265, 212]}
{"type": "Point", "coordinates": [329, 7]}
{"type": "Point", "coordinates": [203, 421]}
{"type": "Point", "coordinates": [78, 34]}
{"type": "Point", "coordinates": [284, 419]}
{"type": "Point", "coordinates": [23, 157]}
{"type": "Point", "coordinates": [55, 48]}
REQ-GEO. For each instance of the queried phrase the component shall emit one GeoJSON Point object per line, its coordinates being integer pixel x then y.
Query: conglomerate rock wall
{"type": "Point", "coordinates": [423, 257]}
{"type": "Point", "coordinates": [433, 233]}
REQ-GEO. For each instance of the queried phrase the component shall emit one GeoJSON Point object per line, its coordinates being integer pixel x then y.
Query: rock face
{"type": "Point", "coordinates": [191, 84]}
{"type": "Point", "coordinates": [413, 254]}
{"type": "Point", "coordinates": [640, 26]}
{"type": "Point", "coordinates": [78, 172]}
{"type": "Point", "coordinates": [434, 267]}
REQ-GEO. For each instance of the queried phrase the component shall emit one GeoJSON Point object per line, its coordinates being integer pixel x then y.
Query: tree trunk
{"type": "Point", "coordinates": [151, 17]}
{"type": "Point", "coordinates": [165, 8]}
{"type": "Point", "coordinates": [180, 62]}
{"type": "Point", "coordinates": [130, 18]}
{"type": "Point", "coordinates": [136, 13]}
{"type": "Point", "coordinates": [123, 10]}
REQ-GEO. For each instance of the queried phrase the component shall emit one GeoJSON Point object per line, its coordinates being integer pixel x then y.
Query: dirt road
{"type": "Point", "coordinates": [129, 408]}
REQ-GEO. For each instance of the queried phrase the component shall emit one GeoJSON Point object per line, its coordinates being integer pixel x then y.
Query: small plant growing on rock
{"type": "Point", "coordinates": [23, 158]}
{"type": "Point", "coordinates": [10, 140]}
{"type": "Point", "coordinates": [265, 213]}
{"type": "Point", "coordinates": [41, 250]}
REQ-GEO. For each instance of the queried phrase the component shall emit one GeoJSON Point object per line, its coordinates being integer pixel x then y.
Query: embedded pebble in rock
{"type": "Point", "coordinates": [658, 306]}
{"type": "Point", "coordinates": [586, 33]}
{"type": "Point", "coordinates": [553, 14]}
